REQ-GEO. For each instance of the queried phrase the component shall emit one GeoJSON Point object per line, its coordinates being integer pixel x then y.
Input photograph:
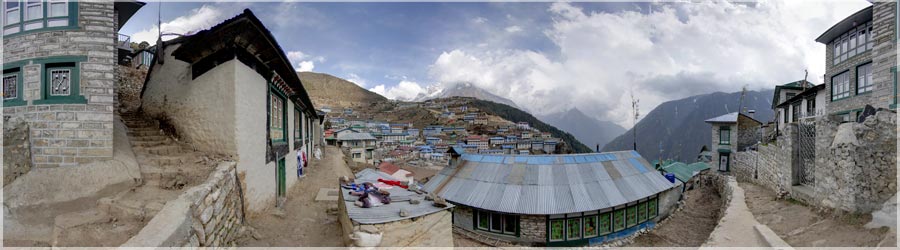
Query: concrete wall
{"type": "Point", "coordinates": [207, 215]}
{"type": "Point", "coordinates": [202, 110]}
{"type": "Point", "coordinates": [68, 134]}
{"type": "Point", "coordinates": [668, 201]}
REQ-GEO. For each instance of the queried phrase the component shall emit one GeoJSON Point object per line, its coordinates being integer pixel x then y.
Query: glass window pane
{"type": "Point", "coordinates": [573, 229]}
{"type": "Point", "coordinates": [57, 9]}
{"type": "Point", "coordinates": [510, 222]}
{"type": "Point", "coordinates": [556, 230]}
{"type": "Point", "coordinates": [483, 220]}
{"type": "Point", "coordinates": [651, 208]}
{"type": "Point", "coordinates": [631, 216]}
{"type": "Point", "coordinates": [642, 211]}
{"type": "Point", "coordinates": [619, 220]}
{"type": "Point", "coordinates": [60, 82]}
{"type": "Point", "coordinates": [12, 16]}
{"type": "Point", "coordinates": [34, 12]}
{"type": "Point", "coordinates": [605, 223]}
{"type": "Point", "coordinates": [9, 87]}
{"type": "Point", "coordinates": [496, 222]}
{"type": "Point", "coordinates": [590, 226]}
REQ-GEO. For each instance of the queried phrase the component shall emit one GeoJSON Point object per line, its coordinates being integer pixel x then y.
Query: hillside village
{"type": "Point", "coordinates": [195, 142]}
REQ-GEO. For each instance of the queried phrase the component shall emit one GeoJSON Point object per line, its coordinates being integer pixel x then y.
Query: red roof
{"type": "Point", "coordinates": [389, 168]}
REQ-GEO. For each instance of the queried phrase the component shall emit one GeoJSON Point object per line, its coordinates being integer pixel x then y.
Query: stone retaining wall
{"type": "Point", "coordinates": [206, 215]}
{"type": "Point", "coordinates": [770, 166]}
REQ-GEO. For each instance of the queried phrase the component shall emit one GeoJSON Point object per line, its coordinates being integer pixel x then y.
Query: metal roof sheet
{"type": "Point", "coordinates": [549, 184]}
{"type": "Point", "coordinates": [387, 212]}
{"type": "Point", "coordinates": [355, 136]}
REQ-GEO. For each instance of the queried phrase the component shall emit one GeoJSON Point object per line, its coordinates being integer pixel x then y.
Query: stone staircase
{"type": "Point", "coordinates": [167, 168]}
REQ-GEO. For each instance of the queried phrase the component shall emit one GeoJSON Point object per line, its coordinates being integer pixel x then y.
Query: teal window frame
{"type": "Point", "coordinates": [71, 17]}
{"type": "Point", "coordinates": [727, 128]}
{"type": "Point", "coordinates": [20, 92]}
{"type": "Point", "coordinates": [871, 84]}
{"type": "Point", "coordinates": [833, 93]}
{"type": "Point", "coordinates": [504, 218]}
{"type": "Point", "coordinates": [298, 124]}
{"type": "Point", "coordinates": [74, 96]}
{"type": "Point", "coordinates": [277, 93]}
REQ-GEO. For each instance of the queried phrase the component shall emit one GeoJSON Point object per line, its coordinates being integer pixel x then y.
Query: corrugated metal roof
{"type": "Point", "coordinates": [684, 172]}
{"type": "Point", "coordinates": [730, 117]}
{"type": "Point", "coordinates": [355, 137]}
{"type": "Point", "coordinates": [549, 184]}
{"type": "Point", "coordinates": [387, 212]}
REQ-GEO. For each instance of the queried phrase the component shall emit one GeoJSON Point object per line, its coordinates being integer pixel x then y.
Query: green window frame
{"type": "Point", "coordinates": [725, 134]}
{"type": "Point", "coordinates": [58, 75]}
{"type": "Point", "coordinates": [864, 81]}
{"type": "Point", "coordinates": [652, 208]}
{"type": "Point", "coordinates": [573, 228]}
{"type": "Point", "coordinates": [840, 86]}
{"type": "Point", "coordinates": [277, 123]}
{"type": "Point", "coordinates": [298, 125]}
{"type": "Point", "coordinates": [557, 230]}
{"type": "Point", "coordinates": [591, 226]}
{"type": "Point", "coordinates": [618, 219]}
{"type": "Point", "coordinates": [642, 212]}
{"type": "Point", "coordinates": [15, 76]}
{"type": "Point", "coordinates": [498, 223]}
{"type": "Point", "coordinates": [631, 216]}
{"type": "Point", "coordinates": [605, 223]}
{"type": "Point", "coordinates": [15, 26]}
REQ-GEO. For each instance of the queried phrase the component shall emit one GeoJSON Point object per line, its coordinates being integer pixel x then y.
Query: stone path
{"type": "Point", "coordinates": [736, 227]}
{"type": "Point", "coordinates": [303, 221]}
{"type": "Point", "coordinates": [802, 226]}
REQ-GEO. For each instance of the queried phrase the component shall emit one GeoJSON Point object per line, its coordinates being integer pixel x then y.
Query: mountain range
{"type": "Point", "coordinates": [590, 131]}
{"type": "Point", "coordinates": [324, 89]}
{"type": "Point", "coordinates": [463, 89]}
{"type": "Point", "coordinates": [677, 129]}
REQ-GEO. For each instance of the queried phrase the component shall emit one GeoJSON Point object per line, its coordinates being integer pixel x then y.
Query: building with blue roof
{"type": "Point", "coordinates": [554, 200]}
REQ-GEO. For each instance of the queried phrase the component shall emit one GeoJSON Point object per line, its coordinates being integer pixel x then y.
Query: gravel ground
{"type": "Point", "coordinates": [688, 227]}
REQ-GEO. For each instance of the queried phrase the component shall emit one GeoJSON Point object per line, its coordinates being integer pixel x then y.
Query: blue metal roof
{"type": "Point", "coordinates": [387, 212]}
{"type": "Point", "coordinates": [549, 184]}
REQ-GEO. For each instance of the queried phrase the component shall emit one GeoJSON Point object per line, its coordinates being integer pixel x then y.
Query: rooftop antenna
{"type": "Point", "coordinates": [741, 104]}
{"type": "Point", "coordinates": [159, 42]}
{"type": "Point", "coordinates": [805, 75]}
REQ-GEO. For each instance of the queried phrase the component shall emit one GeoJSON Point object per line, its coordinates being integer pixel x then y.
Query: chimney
{"type": "Point", "coordinates": [750, 113]}
{"type": "Point", "coordinates": [598, 148]}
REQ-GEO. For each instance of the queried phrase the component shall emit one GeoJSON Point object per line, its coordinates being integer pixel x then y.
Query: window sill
{"type": "Point", "coordinates": [13, 103]}
{"type": "Point", "coordinates": [842, 98]}
{"type": "Point", "coordinates": [46, 29]}
{"type": "Point", "coordinates": [865, 93]}
{"type": "Point", "coordinates": [62, 100]}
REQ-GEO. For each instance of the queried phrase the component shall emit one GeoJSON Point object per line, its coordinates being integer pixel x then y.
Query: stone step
{"type": "Point", "coordinates": [167, 160]}
{"type": "Point", "coordinates": [142, 128]}
{"type": "Point", "coordinates": [150, 138]}
{"type": "Point", "coordinates": [123, 206]}
{"type": "Point", "coordinates": [139, 123]}
{"type": "Point", "coordinates": [144, 132]}
{"type": "Point", "coordinates": [162, 150]}
{"type": "Point", "coordinates": [165, 177]}
{"type": "Point", "coordinates": [147, 144]}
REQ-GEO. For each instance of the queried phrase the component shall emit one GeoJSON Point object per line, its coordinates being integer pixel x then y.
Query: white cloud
{"type": "Point", "coordinates": [677, 51]}
{"type": "Point", "coordinates": [198, 19]}
{"type": "Point", "coordinates": [356, 79]}
{"type": "Point", "coordinates": [479, 20]}
{"type": "Point", "coordinates": [306, 66]}
{"type": "Point", "coordinates": [405, 90]}
{"type": "Point", "coordinates": [513, 29]}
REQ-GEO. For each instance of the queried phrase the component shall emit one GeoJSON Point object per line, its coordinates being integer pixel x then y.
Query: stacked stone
{"type": "Point", "coordinates": [16, 150]}
{"type": "Point", "coordinates": [533, 227]}
{"type": "Point", "coordinates": [857, 172]}
{"type": "Point", "coordinates": [67, 134]}
{"type": "Point", "coordinates": [216, 213]}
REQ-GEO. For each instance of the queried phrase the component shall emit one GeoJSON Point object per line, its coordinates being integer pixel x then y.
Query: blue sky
{"type": "Point", "coordinates": [547, 57]}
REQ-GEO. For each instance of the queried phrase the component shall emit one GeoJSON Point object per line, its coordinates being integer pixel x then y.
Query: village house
{"type": "Point", "coordinates": [508, 148]}
{"type": "Point", "coordinates": [731, 133]}
{"type": "Point", "coordinates": [857, 71]}
{"type": "Point", "coordinates": [537, 146]}
{"type": "Point", "coordinates": [216, 86]}
{"type": "Point", "coordinates": [550, 146]}
{"type": "Point", "coordinates": [558, 200]}
{"type": "Point", "coordinates": [526, 135]}
{"type": "Point", "coordinates": [523, 126]}
{"type": "Point", "coordinates": [783, 93]}
{"type": "Point", "coordinates": [511, 139]}
{"type": "Point", "coordinates": [433, 140]}
{"type": "Point", "coordinates": [802, 106]}
{"type": "Point", "coordinates": [477, 141]}
{"type": "Point", "coordinates": [523, 145]}
{"type": "Point", "coordinates": [412, 133]}
{"type": "Point", "coordinates": [481, 120]}
{"type": "Point", "coordinates": [359, 145]}
{"type": "Point", "coordinates": [59, 76]}
{"type": "Point", "coordinates": [497, 140]}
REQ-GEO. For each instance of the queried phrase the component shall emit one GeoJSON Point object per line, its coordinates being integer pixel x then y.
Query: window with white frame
{"type": "Point", "coordinates": [28, 15]}
{"type": "Point", "coordinates": [277, 118]}
{"type": "Point", "coordinates": [840, 86]}
{"type": "Point", "coordinates": [864, 81]}
{"type": "Point", "coordinates": [34, 9]}
{"type": "Point", "coordinates": [12, 12]}
{"type": "Point", "coordinates": [57, 8]}
{"type": "Point", "coordinates": [854, 42]}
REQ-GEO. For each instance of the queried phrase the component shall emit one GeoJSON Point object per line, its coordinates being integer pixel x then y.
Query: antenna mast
{"type": "Point", "coordinates": [636, 112]}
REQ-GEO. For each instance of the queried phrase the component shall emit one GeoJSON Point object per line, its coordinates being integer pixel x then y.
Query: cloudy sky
{"type": "Point", "coordinates": [546, 57]}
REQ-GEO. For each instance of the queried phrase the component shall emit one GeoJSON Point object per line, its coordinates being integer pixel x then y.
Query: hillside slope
{"type": "Point", "coordinates": [676, 129]}
{"type": "Point", "coordinates": [464, 90]}
{"type": "Point", "coordinates": [515, 115]}
{"type": "Point", "coordinates": [586, 129]}
{"type": "Point", "coordinates": [331, 91]}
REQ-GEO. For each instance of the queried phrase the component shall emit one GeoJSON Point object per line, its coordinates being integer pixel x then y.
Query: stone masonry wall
{"type": "Point", "coordinates": [532, 228]}
{"type": "Point", "coordinates": [67, 134]}
{"type": "Point", "coordinates": [770, 166]}
{"type": "Point", "coordinates": [856, 163]}
{"type": "Point", "coordinates": [217, 214]}
{"type": "Point", "coordinates": [715, 143]}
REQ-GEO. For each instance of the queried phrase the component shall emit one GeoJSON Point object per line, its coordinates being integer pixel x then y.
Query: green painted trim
{"type": "Point", "coordinates": [19, 100]}
{"type": "Point", "coordinates": [72, 17]}
{"type": "Point", "coordinates": [844, 112]}
{"type": "Point", "coordinates": [59, 59]}
{"type": "Point", "coordinates": [284, 129]}
{"type": "Point", "coordinates": [74, 96]}
{"type": "Point", "coordinates": [16, 64]}
{"type": "Point", "coordinates": [724, 150]}
{"type": "Point", "coordinates": [831, 83]}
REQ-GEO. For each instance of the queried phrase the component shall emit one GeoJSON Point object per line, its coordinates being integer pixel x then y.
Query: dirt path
{"type": "Point", "coordinates": [802, 226]}
{"type": "Point", "coordinates": [688, 227]}
{"type": "Point", "coordinates": [303, 222]}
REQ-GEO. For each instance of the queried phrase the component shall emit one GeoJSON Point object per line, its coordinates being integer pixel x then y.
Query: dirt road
{"type": "Point", "coordinates": [802, 226]}
{"type": "Point", "coordinates": [303, 222]}
{"type": "Point", "coordinates": [689, 227]}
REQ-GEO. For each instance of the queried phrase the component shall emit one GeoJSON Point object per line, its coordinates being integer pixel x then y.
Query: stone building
{"type": "Point", "coordinates": [231, 90]}
{"type": "Point", "coordinates": [553, 200]}
{"type": "Point", "coordinates": [731, 133]}
{"type": "Point", "coordinates": [860, 61]}
{"type": "Point", "coordinates": [59, 75]}
{"type": "Point", "coordinates": [359, 146]}
{"type": "Point", "coordinates": [784, 101]}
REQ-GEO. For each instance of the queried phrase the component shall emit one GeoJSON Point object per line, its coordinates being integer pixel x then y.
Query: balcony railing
{"type": "Point", "coordinates": [124, 42]}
